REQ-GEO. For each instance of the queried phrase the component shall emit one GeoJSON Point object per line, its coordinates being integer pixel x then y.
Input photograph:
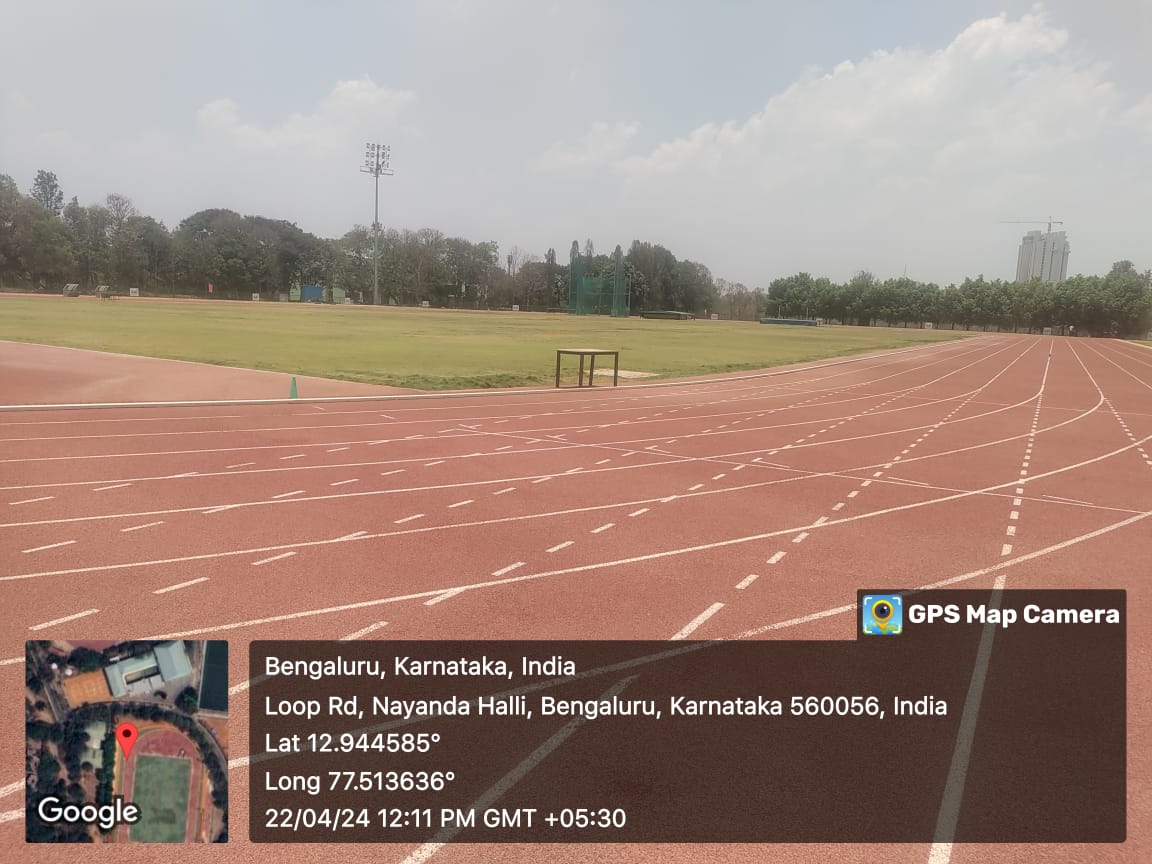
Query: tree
{"type": "Point", "coordinates": [46, 192]}
{"type": "Point", "coordinates": [187, 700]}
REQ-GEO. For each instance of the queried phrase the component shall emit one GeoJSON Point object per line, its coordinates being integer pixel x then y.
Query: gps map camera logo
{"type": "Point", "coordinates": [882, 615]}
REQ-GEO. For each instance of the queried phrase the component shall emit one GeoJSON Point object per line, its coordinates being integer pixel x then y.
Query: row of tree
{"type": "Point", "coordinates": [45, 243]}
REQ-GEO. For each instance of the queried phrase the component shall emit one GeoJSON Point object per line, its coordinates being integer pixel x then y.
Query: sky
{"type": "Point", "coordinates": [759, 138]}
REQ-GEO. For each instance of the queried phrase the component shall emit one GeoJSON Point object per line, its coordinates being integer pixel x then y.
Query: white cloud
{"type": "Point", "coordinates": [334, 128]}
{"type": "Point", "coordinates": [906, 152]}
{"type": "Point", "coordinates": [602, 145]}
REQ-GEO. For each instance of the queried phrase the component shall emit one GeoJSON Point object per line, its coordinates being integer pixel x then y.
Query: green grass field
{"type": "Point", "coordinates": [160, 789]}
{"type": "Point", "coordinates": [425, 349]}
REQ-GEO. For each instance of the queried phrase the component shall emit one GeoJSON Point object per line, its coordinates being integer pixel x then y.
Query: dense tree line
{"type": "Point", "coordinates": [45, 242]}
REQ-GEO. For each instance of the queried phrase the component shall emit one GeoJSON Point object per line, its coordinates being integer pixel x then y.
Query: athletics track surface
{"type": "Point", "coordinates": [750, 507]}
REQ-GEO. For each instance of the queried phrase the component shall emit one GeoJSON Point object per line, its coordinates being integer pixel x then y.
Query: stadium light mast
{"type": "Point", "coordinates": [376, 158]}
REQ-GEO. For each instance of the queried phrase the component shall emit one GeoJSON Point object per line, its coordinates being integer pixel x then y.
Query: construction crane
{"type": "Point", "coordinates": [1050, 222]}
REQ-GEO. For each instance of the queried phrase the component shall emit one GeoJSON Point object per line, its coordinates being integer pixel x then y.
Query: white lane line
{"type": "Point", "coordinates": [273, 558]}
{"type": "Point", "coordinates": [1015, 514]}
{"type": "Point", "coordinates": [695, 623]}
{"type": "Point", "coordinates": [777, 557]}
{"type": "Point", "coordinates": [560, 546]}
{"type": "Point", "coordinates": [1016, 502]}
{"type": "Point", "coordinates": [1006, 549]}
{"type": "Point", "coordinates": [63, 620]}
{"type": "Point", "coordinates": [239, 465]}
{"type": "Point", "coordinates": [444, 595]}
{"type": "Point", "coordinates": [288, 494]}
{"type": "Point", "coordinates": [138, 527]}
{"type": "Point", "coordinates": [219, 509]}
{"type": "Point", "coordinates": [11, 788]}
{"type": "Point", "coordinates": [1073, 500]}
{"type": "Point", "coordinates": [390, 473]}
{"type": "Point", "coordinates": [503, 491]}
{"type": "Point", "coordinates": [866, 483]}
{"type": "Point", "coordinates": [105, 488]}
{"type": "Point", "coordinates": [853, 493]}
{"type": "Point", "coordinates": [719, 476]}
{"type": "Point", "coordinates": [180, 585]}
{"type": "Point", "coordinates": [437, 462]}
{"type": "Point", "coordinates": [821, 520]}
{"type": "Point", "coordinates": [1010, 531]}
{"type": "Point", "coordinates": [746, 581]}
{"type": "Point", "coordinates": [353, 535]}
{"type": "Point", "coordinates": [639, 512]}
{"type": "Point", "coordinates": [604, 527]}
{"type": "Point", "coordinates": [799, 538]}
{"type": "Point", "coordinates": [338, 449]}
{"type": "Point", "coordinates": [408, 519]}
{"type": "Point", "coordinates": [295, 456]}
{"type": "Point", "coordinates": [31, 500]}
{"type": "Point", "coordinates": [344, 482]}
{"type": "Point", "coordinates": [425, 851]}
{"type": "Point", "coordinates": [49, 546]}
{"type": "Point", "coordinates": [697, 486]}
{"type": "Point", "coordinates": [941, 851]}
{"type": "Point", "coordinates": [505, 447]}
{"type": "Point", "coordinates": [359, 634]}
{"type": "Point", "coordinates": [603, 461]}
{"type": "Point", "coordinates": [878, 474]}
{"type": "Point", "coordinates": [460, 503]}
{"type": "Point", "coordinates": [541, 479]}
{"type": "Point", "coordinates": [838, 506]}
{"type": "Point", "coordinates": [508, 569]}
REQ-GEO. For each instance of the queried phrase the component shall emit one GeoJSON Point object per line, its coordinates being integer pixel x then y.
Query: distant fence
{"type": "Point", "coordinates": [799, 322]}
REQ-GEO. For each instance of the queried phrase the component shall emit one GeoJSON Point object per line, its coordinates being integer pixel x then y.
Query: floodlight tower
{"type": "Point", "coordinates": [376, 158]}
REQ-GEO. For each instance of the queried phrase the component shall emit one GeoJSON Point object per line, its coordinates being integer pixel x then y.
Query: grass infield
{"type": "Point", "coordinates": [160, 789]}
{"type": "Point", "coordinates": [426, 349]}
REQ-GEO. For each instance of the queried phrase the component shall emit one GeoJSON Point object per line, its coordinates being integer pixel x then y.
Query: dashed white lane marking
{"type": "Point", "coordinates": [746, 581]}
{"type": "Point", "coordinates": [360, 634]}
{"type": "Point", "coordinates": [32, 500]}
{"type": "Point", "coordinates": [878, 474]}
{"type": "Point", "coordinates": [445, 595]}
{"type": "Point", "coordinates": [866, 483]}
{"type": "Point", "coordinates": [180, 585]}
{"type": "Point", "coordinates": [541, 479]}
{"type": "Point", "coordinates": [343, 482]}
{"type": "Point", "coordinates": [853, 493]}
{"type": "Point", "coordinates": [838, 506]}
{"type": "Point", "coordinates": [821, 520]}
{"type": "Point", "coordinates": [603, 461]}
{"type": "Point", "coordinates": [639, 512]}
{"type": "Point", "coordinates": [1006, 549]}
{"type": "Point", "coordinates": [12, 788]}
{"type": "Point", "coordinates": [777, 558]}
{"type": "Point", "coordinates": [63, 620]}
{"type": "Point", "coordinates": [338, 449]}
{"type": "Point", "coordinates": [105, 488]}
{"type": "Point", "coordinates": [1010, 531]}
{"type": "Point", "coordinates": [220, 509]}
{"type": "Point", "coordinates": [1016, 502]}
{"type": "Point", "coordinates": [273, 558]}
{"type": "Point", "coordinates": [294, 456]}
{"type": "Point", "coordinates": [1015, 514]}
{"type": "Point", "coordinates": [353, 535]}
{"type": "Point", "coordinates": [408, 519]}
{"type": "Point", "coordinates": [696, 622]}
{"type": "Point", "coordinates": [719, 476]}
{"type": "Point", "coordinates": [560, 546]}
{"type": "Point", "coordinates": [505, 447]}
{"type": "Point", "coordinates": [460, 503]}
{"type": "Point", "coordinates": [697, 486]}
{"type": "Point", "coordinates": [390, 473]}
{"type": "Point", "coordinates": [437, 462]}
{"type": "Point", "coordinates": [508, 569]}
{"type": "Point", "coordinates": [604, 527]}
{"type": "Point", "coordinates": [505, 491]}
{"type": "Point", "coordinates": [138, 527]}
{"type": "Point", "coordinates": [799, 538]}
{"type": "Point", "coordinates": [49, 546]}
{"type": "Point", "coordinates": [239, 465]}
{"type": "Point", "coordinates": [288, 494]}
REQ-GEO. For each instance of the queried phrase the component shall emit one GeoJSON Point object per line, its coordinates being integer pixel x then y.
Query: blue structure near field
{"type": "Point", "coordinates": [800, 322]}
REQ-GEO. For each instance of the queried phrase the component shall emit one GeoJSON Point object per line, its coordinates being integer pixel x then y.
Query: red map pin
{"type": "Point", "coordinates": [126, 734]}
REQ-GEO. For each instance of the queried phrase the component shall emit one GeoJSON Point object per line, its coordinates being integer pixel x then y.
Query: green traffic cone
{"type": "Point", "coordinates": [292, 392]}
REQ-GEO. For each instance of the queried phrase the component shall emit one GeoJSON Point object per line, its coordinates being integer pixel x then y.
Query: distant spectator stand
{"type": "Point", "coordinates": [591, 354]}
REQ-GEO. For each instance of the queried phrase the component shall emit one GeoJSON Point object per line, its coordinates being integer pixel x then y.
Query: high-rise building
{"type": "Point", "coordinates": [1043, 256]}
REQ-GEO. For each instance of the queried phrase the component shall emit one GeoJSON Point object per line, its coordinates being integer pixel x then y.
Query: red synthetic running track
{"type": "Point", "coordinates": [622, 514]}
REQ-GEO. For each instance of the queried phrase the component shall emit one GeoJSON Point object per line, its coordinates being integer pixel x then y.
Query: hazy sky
{"type": "Point", "coordinates": [759, 138]}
